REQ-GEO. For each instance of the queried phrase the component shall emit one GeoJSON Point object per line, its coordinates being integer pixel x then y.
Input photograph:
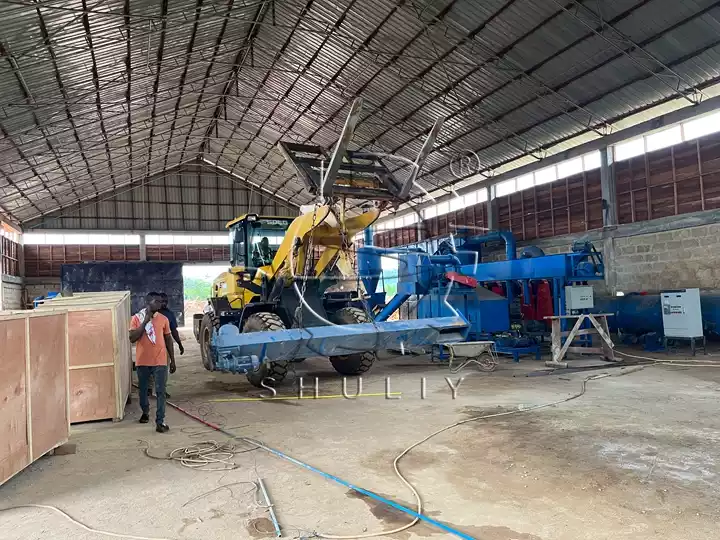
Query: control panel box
{"type": "Point", "coordinates": [682, 317]}
{"type": "Point", "coordinates": [579, 297]}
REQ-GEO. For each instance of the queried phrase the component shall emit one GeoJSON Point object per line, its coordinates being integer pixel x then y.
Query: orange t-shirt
{"type": "Point", "coordinates": [148, 353]}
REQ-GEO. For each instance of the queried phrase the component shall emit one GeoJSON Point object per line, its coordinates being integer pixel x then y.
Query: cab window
{"type": "Point", "coordinates": [237, 246]}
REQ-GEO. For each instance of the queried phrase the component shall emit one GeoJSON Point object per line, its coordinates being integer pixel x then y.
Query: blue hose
{"type": "Point", "coordinates": [370, 494]}
{"type": "Point", "coordinates": [334, 478]}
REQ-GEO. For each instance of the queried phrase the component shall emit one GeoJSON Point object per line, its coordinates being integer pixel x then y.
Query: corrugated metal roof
{"type": "Point", "coordinates": [96, 96]}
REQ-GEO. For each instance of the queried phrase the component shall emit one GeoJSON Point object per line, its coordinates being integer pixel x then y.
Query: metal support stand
{"type": "Point", "coordinates": [599, 326]}
{"type": "Point", "coordinates": [693, 343]}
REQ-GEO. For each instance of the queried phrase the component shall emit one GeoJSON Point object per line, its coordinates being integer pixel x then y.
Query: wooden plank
{"type": "Point", "coordinates": [92, 394]}
{"type": "Point", "coordinates": [48, 383]}
{"type": "Point", "coordinates": [78, 306]}
{"type": "Point", "coordinates": [14, 448]}
{"type": "Point", "coordinates": [556, 345]}
{"type": "Point", "coordinates": [608, 348]}
{"type": "Point", "coordinates": [90, 339]}
{"type": "Point", "coordinates": [581, 332]}
{"type": "Point", "coordinates": [606, 337]}
{"type": "Point", "coordinates": [585, 350]}
{"type": "Point", "coordinates": [106, 364]}
{"type": "Point", "coordinates": [124, 356]}
{"type": "Point", "coordinates": [552, 317]}
{"type": "Point", "coordinates": [569, 339]}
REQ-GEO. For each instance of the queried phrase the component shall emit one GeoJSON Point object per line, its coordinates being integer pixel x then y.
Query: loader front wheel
{"type": "Point", "coordinates": [207, 325]}
{"type": "Point", "coordinates": [271, 373]}
{"type": "Point", "coordinates": [352, 364]}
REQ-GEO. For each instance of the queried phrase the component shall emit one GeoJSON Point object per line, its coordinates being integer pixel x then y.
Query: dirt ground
{"type": "Point", "coordinates": [636, 457]}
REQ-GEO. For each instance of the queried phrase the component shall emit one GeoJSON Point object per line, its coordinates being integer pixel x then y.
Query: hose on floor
{"type": "Point", "coordinates": [416, 515]}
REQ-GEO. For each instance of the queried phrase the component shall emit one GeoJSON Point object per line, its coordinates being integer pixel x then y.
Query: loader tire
{"type": "Point", "coordinates": [271, 373]}
{"type": "Point", "coordinates": [207, 325]}
{"type": "Point", "coordinates": [352, 364]}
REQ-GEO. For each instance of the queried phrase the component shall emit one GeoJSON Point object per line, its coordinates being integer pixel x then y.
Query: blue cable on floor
{"type": "Point", "coordinates": [334, 478]}
{"type": "Point", "coordinates": [370, 494]}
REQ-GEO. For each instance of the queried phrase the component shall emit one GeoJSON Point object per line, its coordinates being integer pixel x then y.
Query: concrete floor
{"type": "Point", "coordinates": [637, 457]}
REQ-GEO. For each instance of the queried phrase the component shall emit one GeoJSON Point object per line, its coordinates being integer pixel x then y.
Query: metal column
{"type": "Point", "coordinates": [143, 251]}
{"type": "Point", "coordinates": [492, 218]}
{"type": "Point", "coordinates": [607, 185]}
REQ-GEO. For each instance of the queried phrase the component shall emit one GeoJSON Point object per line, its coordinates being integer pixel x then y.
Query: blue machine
{"type": "Point", "coordinates": [485, 311]}
{"type": "Point", "coordinates": [238, 352]}
{"type": "Point", "coordinates": [454, 302]}
{"type": "Point", "coordinates": [454, 281]}
{"type": "Point", "coordinates": [39, 299]}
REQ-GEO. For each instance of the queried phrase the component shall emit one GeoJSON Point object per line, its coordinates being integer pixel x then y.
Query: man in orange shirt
{"type": "Point", "coordinates": [150, 331]}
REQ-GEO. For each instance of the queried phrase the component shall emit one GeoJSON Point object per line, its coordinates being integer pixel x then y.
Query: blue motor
{"type": "Point", "coordinates": [587, 261]}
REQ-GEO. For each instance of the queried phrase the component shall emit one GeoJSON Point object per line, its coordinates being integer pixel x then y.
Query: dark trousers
{"type": "Point", "coordinates": [145, 374]}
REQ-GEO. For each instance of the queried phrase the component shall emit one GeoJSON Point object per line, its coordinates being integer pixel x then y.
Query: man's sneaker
{"type": "Point", "coordinates": [144, 419]}
{"type": "Point", "coordinates": [162, 428]}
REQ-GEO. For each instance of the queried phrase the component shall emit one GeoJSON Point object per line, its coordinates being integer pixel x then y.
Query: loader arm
{"type": "Point", "coordinates": [325, 232]}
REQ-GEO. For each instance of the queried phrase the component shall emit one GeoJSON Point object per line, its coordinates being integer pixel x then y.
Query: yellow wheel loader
{"type": "Point", "coordinates": [291, 291]}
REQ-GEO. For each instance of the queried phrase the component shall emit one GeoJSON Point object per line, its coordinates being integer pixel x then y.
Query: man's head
{"type": "Point", "coordinates": [153, 302]}
{"type": "Point", "coordinates": [163, 300]}
{"type": "Point", "coordinates": [264, 244]}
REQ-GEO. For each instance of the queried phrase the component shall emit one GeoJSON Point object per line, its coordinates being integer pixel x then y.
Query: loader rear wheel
{"type": "Point", "coordinates": [207, 325]}
{"type": "Point", "coordinates": [352, 364]}
{"type": "Point", "coordinates": [271, 373]}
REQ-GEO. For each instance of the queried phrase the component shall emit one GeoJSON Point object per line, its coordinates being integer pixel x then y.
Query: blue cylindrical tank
{"type": "Point", "coordinates": [642, 313]}
{"type": "Point", "coordinates": [369, 267]}
{"type": "Point", "coordinates": [639, 314]}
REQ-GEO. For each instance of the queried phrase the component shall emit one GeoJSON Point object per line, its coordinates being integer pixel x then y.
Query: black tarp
{"type": "Point", "coordinates": [139, 278]}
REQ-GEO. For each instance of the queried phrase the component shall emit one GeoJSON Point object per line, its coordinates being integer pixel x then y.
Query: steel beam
{"type": "Point", "coordinates": [242, 55]}
{"type": "Point", "coordinates": [638, 55]}
{"type": "Point", "coordinates": [235, 350]}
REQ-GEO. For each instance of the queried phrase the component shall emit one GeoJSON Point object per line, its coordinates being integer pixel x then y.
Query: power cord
{"type": "Point", "coordinates": [74, 521]}
{"type": "Point", "coordinates": [660, 361]}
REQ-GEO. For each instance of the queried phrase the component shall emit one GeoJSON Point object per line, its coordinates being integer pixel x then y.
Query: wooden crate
{"type": "Point", "coordinates": [99, 353]}
{"type": "Point", "coordinates": [34, 389]}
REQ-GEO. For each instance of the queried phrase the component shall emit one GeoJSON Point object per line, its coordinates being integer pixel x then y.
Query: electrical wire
{"type": "Point", "coordinates": [405, 452]}
{"type": "Point", "coordinates": [226, 486]}
{"type": "Point", "coordinates": [660, 361]}
{"type": "Point", "coordinates": [209, 456]}
{"type": "Point", "coordinates": [74, 521]}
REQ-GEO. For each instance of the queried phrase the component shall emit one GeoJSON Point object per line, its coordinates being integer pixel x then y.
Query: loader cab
{"type": "Point", "coordinates": [254, 240]}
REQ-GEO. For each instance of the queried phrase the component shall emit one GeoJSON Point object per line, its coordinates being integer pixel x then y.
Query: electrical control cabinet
{"type": "Point", "coordinates": [681, 313]}
{"type": "Point", "coordinates": [578, 297]}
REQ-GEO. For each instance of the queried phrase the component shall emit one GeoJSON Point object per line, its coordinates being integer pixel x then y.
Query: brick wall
{"type": "Point", "coordinates": [12, 294]}
{"type": "Point", "coordinates": [41, 286]}
{"type": "Point", "coordinates": [670, 259]}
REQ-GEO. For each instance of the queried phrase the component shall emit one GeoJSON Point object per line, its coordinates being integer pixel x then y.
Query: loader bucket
{"type": "Point", "coordinates": [236, 352]}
